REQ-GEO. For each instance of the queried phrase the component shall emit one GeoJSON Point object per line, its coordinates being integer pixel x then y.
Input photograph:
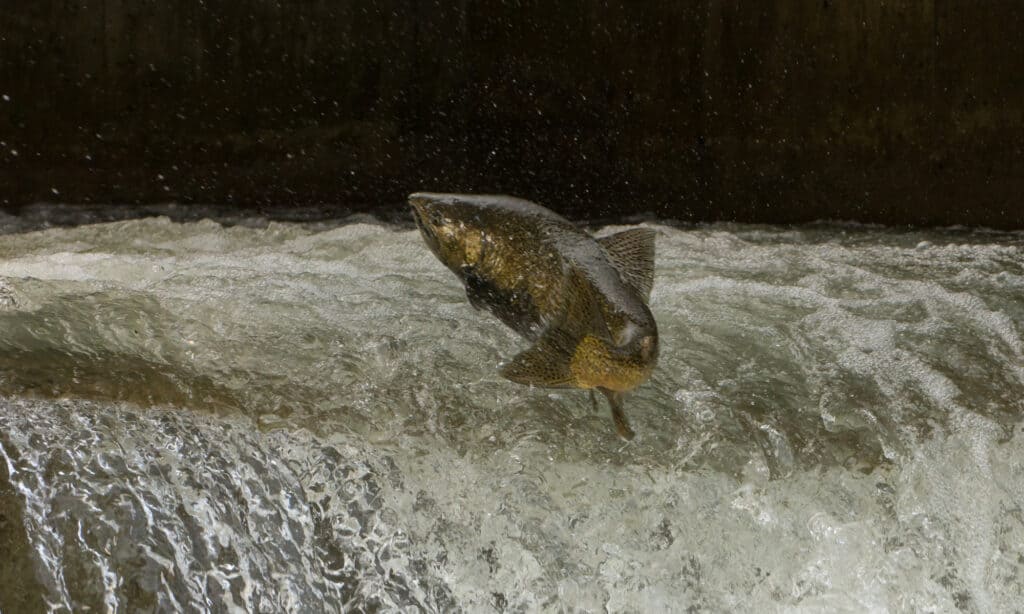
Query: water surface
{"type": "Point", "coordinates": [295, 416]}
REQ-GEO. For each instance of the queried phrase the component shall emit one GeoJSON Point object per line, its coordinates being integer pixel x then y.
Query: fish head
{"type": "Point", "coordinates": [450, 226]}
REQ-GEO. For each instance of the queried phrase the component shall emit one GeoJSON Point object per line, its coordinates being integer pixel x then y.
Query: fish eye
{"type": "Point", "coordinates": [436, 218]}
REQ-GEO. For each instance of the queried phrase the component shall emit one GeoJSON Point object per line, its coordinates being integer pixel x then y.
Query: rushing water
{"type": "Point", "coordinates": [299, 417]}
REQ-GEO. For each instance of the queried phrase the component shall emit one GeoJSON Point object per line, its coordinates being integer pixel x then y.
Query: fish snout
{"type": "Point", "coordinates": [418, 199]}
{"type": "Point", "coordinates": [418, 204]}
{"type": "Point", "coordinates": [424, 200]}
{"type": "Point", "coordinates": [429, 209]}
{"type": "Point", "coordinates": [426, 221]}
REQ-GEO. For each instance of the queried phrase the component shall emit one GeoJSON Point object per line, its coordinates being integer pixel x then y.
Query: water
{"type": "Point", "coordinates": [304, 416]}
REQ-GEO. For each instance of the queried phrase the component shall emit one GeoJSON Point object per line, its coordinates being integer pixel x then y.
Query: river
{"type": "Point", "coordinates": [302, 416]}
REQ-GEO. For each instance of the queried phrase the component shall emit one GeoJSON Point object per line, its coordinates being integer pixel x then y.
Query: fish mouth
{"type": "Point", "coordinates": [418, 203]}
{"type": "Point", "coordinates": [419, 213]}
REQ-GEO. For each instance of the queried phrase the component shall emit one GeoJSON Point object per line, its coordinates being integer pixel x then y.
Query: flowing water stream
{"type": "Point", "coordinates": [307, 416]}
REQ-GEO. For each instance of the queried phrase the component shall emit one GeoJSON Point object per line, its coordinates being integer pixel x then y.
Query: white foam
{"type": "Point", "coordinates": [829, 426]}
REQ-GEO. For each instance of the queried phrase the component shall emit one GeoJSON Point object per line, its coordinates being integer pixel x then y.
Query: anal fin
{"type": "Point", "coordinates": [545, 364]}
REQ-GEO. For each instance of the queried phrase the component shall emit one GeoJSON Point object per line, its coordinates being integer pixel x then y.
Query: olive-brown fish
{"type": "Point", "coordinates": [581, 301]}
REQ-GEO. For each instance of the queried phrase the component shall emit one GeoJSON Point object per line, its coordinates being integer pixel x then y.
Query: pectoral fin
{"type": "Point", "coordinates": [632, 254]}
{"type": "Point", "coordinates": [546, 364]}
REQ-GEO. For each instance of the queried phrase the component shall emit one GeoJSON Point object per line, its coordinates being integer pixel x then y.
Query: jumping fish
{"type": "Point", "coordinates": [581, 301]}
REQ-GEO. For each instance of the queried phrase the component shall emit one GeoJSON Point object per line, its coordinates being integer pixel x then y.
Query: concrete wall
{"type": "Point", "coordinates": [906, 111]}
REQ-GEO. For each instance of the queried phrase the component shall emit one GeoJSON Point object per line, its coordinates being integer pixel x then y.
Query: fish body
{"type": "Point", "coordinates": [581, 301]}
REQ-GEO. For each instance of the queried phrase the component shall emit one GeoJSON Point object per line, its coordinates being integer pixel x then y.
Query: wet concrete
{"type": "Point", "coordinates": [907, 113]}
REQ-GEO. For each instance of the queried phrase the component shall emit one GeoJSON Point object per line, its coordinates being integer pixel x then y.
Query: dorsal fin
{"type": "Point", "coordinates": [631, 252]}
{"type": "Point", "coordinates": [546, 363]}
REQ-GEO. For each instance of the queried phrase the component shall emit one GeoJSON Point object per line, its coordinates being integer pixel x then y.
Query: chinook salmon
{"type": "Point", "coordinates": [581, 301]}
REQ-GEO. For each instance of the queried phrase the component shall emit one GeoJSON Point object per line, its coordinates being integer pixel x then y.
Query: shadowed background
{"type": "Point", "coordinates": [793, 111]}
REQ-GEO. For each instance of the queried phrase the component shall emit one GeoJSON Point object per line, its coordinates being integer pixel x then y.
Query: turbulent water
{"type": "Point", "coordinates": [303, 417]}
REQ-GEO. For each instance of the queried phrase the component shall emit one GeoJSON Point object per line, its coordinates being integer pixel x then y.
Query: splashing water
{"type": "Point", "coordinates": [299, 416]}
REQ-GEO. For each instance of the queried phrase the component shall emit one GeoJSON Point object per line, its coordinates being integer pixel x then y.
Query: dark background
{"type": "Point", "coordinates": [789, 111]}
